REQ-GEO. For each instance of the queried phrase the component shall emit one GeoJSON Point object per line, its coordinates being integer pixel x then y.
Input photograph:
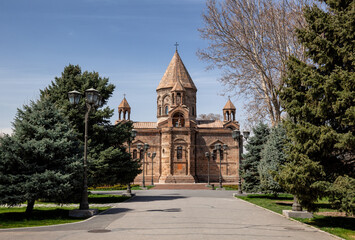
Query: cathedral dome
{"type": "Point", "coordinates": [176, 71]}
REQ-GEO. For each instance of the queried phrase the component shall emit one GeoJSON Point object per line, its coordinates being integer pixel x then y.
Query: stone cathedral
{"type": "Point", "coordinates": [179, 139]}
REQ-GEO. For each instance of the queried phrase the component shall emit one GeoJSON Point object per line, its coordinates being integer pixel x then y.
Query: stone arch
{"type": "Point", "coordinates": [178, 119]}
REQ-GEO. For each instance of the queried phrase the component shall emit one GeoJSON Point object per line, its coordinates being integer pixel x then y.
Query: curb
{"type": "Point", "coordinates": [54, 225]}
{"type": "Point", "coordinates": [304, 224]}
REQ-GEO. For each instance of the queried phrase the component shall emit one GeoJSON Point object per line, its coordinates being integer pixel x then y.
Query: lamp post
{"type": "Point", "coordinates": [218, 147]}
{"type": "Point", "coordinates": [225, 147]}
{"type": "Point", "coordinates": [145, 147]}
{"type": "Point", "coordinates": [130, 139]}
{"type": "Point", "coordinates": [238, 137]}
{"type": "Point", "coordinates": [92, 99]}
{"type": "Point", "coordinates": [207, 154]}
{"type": "Point", "coordinates": [152, 156]}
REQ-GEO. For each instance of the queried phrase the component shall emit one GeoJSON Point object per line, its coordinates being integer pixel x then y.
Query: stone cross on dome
{"type": "Point", "coordinates": [176, 45]}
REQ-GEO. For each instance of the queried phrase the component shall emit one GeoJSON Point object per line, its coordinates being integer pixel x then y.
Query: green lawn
{"type": "Point", "coordinates": [15, 216]}
{"type": "Point", "coordinates": [343, 227]}
{"type": "Point", "coordinates": [41, 216]}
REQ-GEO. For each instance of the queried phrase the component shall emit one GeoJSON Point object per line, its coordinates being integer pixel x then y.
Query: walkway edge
{"type": "Point", "coordinates": [319, 230]}
{"type": "Point", "coordinates": [54, 225]}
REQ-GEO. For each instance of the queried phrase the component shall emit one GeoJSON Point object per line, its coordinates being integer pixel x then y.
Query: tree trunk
{"type": "Point", "coordinates": [30, 205]}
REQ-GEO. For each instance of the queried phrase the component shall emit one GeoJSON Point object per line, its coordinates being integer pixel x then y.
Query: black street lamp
{"type": "Point", "coordinates": [145, 147]}
{"type": "Point", "coordinates": [130, 139]}
{"type": "Point", "coordinates": [152, 156]}
{"type": "Point", "coordinates": [208, 155]}
{"type": "Point", "coordinates": [218, 147]}
{"type": "Point", "coordinates": [92, 99]}
{"type": "Point", "coordinates": [238, 137]}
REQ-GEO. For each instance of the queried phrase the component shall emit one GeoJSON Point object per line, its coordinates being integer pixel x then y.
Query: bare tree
{"type": "Point", "coordinates": [210, 116]}
{"type": "Point", "coordinates": [251, 41]}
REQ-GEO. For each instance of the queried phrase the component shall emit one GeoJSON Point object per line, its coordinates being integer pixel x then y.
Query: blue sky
{"type": "Point", "coordinates": [129, 41]}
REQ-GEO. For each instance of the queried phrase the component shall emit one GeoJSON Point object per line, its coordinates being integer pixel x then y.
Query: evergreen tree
{"type": "Point", "coordinates": [40, 159]}
{"type": "Point", "coordinates": [319, 97]}
{"type": "Point", "coordinates": [251, 159]}
{"type": "Point", "coordinates": [272, 158]}
{"type": "Point", "coordinates": [103, 136]}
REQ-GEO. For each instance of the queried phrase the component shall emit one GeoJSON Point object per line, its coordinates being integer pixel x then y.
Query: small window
{"type": "Point", "coordinates": [166, 110]}
{"type": "Point", "coordinates": [179, 153]}
{"type": "Point", "coordinates": [135, 154]}
{"type": "Point", "coordinates": [193, 111]}
{"type": "Point", "coordinates": [214, 157]}
{"type": "Point", "coordinates": [178, 98]}
{"type": "Point", "coordinates": [221, 154]}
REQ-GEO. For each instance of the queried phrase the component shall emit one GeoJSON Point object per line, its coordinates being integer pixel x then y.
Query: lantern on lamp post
{"type": "Point", "coordinates": [130, 139]}
{"type": "Point", "coordinates": [238, 137]}
{"type": "Point", "coordinates": [92, 99]}
{"type": "Point", "coordinates": [152, 156]}
{"type": "Point", "coordinates": [144, 147]}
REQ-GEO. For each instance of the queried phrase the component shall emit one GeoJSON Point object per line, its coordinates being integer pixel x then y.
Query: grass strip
{"type": "Point", "coordinates": [343, 227]}
{"type": "Point", "coordinates": [42, 216]}
{"type": "Point", "coordinates": [14, 217]}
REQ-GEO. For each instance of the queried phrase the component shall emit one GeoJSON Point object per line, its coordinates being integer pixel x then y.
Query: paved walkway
{"type": "Point", "coordinates": [177, 214]}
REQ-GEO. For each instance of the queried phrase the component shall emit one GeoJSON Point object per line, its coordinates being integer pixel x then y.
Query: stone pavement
{"type": "Point", "coordinates": [176, 214]}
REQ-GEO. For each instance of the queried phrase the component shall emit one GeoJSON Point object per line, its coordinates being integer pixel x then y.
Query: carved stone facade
{"type": "Point", "coordinates": [179, 140]}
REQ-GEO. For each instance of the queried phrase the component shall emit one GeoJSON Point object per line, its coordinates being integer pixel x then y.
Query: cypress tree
{"type": "Point", "coordinates": [40, 160]}
{"type": "Point", "coordinates": [319, 97]}
{"type": "Point", "coordinates": [251, 159]}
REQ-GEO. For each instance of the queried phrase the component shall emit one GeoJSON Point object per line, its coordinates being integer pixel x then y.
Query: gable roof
{"type": "Point", "coordinates": [176, 71]}
{"type": "Point", "coordinates": [178, 87]}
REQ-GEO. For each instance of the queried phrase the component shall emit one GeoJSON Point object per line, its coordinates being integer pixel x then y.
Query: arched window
{"type": "Point", "coordinates": [179, 153]}
{"type": "Point", "coordinates": [178, 98]}
{"type": "Point", "coordinates": [193, 111]}
{"type": "Point", "coordinates": [141, 154]}
{"type": "Point", "coordinates": [135, 154]}
{"type": "Point", "coordinates": [221, 154]}
{"type": "Point", "coordinates": [178, 120]}
{"type": "Point", "coordinates": [166, 110]}
{"type": "Point", "coordinates": [214, 157]}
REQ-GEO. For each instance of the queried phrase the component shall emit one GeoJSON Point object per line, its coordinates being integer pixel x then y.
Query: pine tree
{"type": "Point", "coordinates": [40, 160]}
{"type": "Point", "coordinates": [104, 138]}
{"type": "Point", "coordinates": [252, 158]}
{"type": "Point", "coordinates": [272, 158]}
{"type": "Point", "coordinates": [319, 97]}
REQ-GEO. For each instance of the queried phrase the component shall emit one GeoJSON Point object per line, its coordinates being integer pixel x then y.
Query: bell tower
{"type": "Point", "coordinates": [176, 88]}
{"type": "Point", "coordinates": [125, 110]}
{"type": "Point", "coordinates": [229, 111]}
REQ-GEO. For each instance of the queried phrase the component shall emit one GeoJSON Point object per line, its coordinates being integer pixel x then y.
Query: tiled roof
{"type": "Point", "coordinates": [176, 71]}
{"type": "Point", "coordinates": [229, 105]}
{"type": "Point", "coordinates": [209, 124]}
{"type": "Point", "coordinates": [124, 104]}
{"type": "Point", "coordinates": [144, 125]}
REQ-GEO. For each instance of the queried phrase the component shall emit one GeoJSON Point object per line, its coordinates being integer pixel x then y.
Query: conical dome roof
{"type": "Point", "coordinates": [229, 106]}
{"type": "Point", "coordinates": [124, 104]}
{"type": "Point", "coordinates": [176, 71]}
